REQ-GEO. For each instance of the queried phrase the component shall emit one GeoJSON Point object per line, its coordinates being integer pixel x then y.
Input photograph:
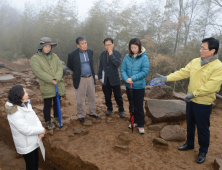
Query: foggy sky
{"type": "Point", "coordinates": [82, 5]}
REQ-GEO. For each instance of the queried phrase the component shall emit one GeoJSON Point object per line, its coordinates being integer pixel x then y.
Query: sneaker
{"type": "Point", "coordinates": [134, 125]}
{"type": "Point", "coordinates": [141, 130]}
{"type": "Point", "coordinates": [121, 114]}
{"type": "Point", "coordinates": [108, 112]}
{"type": "Point", "coordinates": [49, 125]}
{"type": "Point", "coordinates": [56, 121]}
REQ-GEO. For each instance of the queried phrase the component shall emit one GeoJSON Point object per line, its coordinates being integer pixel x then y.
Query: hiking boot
{"type": "Point", "coordinates": [49, 125]}
{"type": "Point", "coordinates": [141, 130]}
{"type": "Point", "coordinates": [134, 125]}
{"type": "Point", "coordinates": [108, 112]}
{"type": "Point", "coordinates": [121, 114]}
{"type": "Point", "coordinates": [56, 121]}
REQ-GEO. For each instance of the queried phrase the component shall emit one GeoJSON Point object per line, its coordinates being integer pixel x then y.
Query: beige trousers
{"type": "Point", "coordinates": [86, 88]}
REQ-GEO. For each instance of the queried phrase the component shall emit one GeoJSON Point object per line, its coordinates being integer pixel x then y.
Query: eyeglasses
{"type": "Point", "coordinates": [108, 45]}
{"type": "Point", "coordinates": [203, 49]}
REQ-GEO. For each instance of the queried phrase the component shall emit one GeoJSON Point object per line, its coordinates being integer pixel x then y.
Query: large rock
{"type": "Point", "coordinates": [156, 127]}
{"type": "Point", "coordinates": [2, 65]}
{"type": "Point", "coordinates": [7, 79]}
{"type": "Point", "coordinates": [179, 95]}
{"type": "Point", "coordinates": [160, 92]}
{"type": "Point", "coordinates": [173, 133]}
{"type": "Point", "coordinates": [165, 110]}
{"type": "Point", "coordinates": [218, 164]}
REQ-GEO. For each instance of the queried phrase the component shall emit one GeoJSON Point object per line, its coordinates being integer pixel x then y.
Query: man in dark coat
{"type": "Point", "coordinates": [108, 74]}
{"type": "Point", "coordinates": [80, 61]}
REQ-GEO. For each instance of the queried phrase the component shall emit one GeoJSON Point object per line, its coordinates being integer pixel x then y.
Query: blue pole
{"type": "Point", "coordinates": [58, 105]}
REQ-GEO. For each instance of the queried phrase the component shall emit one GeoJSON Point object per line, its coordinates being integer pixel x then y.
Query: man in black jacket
{"type": "Point", "coordinates": [108, 74]}
{"type": "Point", "coordinates": [80, 61]}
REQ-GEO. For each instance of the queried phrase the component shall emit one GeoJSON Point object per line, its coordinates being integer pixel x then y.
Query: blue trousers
{"type": "Point", "coordinates": [198, 115]}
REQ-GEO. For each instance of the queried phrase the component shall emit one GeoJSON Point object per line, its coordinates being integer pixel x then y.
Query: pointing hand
{"type": "Point", "coordinates": [160, 79]}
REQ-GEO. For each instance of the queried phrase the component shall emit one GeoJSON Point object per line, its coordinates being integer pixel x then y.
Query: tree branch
{"type": "Point", "coordinates": [217, 3]}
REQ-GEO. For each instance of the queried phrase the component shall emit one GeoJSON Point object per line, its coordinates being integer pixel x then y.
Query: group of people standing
{"type": "Point", "coordinates": [25, 125]}
{"type": "Point", "coordinates": [134, 69]}
{"type": "Point", "coordinates": [205, 75]}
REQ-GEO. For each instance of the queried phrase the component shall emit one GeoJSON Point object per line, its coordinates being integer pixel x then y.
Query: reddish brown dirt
{"type": "Point", "coordinates": [98, 146]}
{"type": "Point", "coordinates": [16, 67]}
{"type": "Point", "coordinates": [95, 148]}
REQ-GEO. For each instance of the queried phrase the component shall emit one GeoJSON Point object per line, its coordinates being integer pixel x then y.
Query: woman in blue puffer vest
{"type": "Point", "coordinates": [134, 69]}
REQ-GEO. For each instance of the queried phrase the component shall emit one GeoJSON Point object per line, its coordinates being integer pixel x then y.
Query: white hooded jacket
{"type": "Point", "coordinates": [25, 126]}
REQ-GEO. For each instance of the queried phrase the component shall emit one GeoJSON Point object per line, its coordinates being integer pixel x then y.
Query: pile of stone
{"type": "Point", "coordinates": [163, 107]}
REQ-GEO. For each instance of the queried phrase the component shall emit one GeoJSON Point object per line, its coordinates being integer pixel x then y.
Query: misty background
{"type": "Point", "coordinates": [170, 30]}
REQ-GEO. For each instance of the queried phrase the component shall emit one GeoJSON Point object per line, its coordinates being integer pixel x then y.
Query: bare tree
{"type": "Point", "coordinates": [179, 25]}
{"type": "Point", "coordinates": [217, 3]}
{"type": "Point", "coordinates": [191, 12]}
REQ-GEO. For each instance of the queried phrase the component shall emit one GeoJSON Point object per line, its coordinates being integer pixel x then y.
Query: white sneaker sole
{"type": "Point", "coordinates": [134, 125]}
{"type": "Point", "coordinates": [141, 131]}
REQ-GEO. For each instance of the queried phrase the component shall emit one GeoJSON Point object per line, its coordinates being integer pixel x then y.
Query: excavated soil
{"type": "Point", "coordinates": [96, 145]}
{"type": "Point", "coordinates": [15, 66]}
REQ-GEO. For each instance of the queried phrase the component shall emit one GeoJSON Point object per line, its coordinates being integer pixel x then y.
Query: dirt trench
{"type": "Point", "coordinates": [56, 157]}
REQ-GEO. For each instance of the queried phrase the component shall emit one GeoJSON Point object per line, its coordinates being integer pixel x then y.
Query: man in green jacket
{"type": "Point", "coordinates": [49, 70]}
{"type": "Point", "coordinates": [205, 75]}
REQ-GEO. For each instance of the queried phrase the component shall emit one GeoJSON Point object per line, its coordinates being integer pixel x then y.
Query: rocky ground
{"type": "Point", "coordinates": [106, 143]}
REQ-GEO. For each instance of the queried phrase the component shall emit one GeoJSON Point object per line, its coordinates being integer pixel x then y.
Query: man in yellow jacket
{"type": "Point", "coordinates": [205, 75]}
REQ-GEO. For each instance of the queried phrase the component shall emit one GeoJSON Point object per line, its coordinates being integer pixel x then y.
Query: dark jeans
{"type": "Point", "coordinates": [107, 90]}
{"type": "Point", "coordinates": [47, 108]}
{"type": "Point", "coordinates": [31, 160]}
{"type": "Point", "coordinates": [198, 115]}
{"type": "Point", "coordinates": [138, 97]}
